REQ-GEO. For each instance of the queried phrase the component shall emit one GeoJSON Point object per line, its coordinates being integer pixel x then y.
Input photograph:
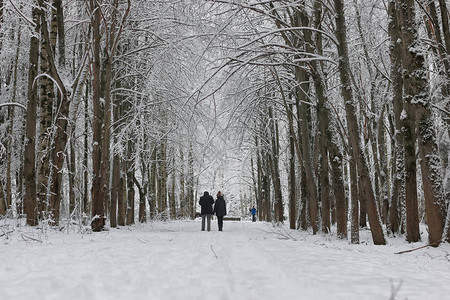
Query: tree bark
{"type": "Point", "coordinates": [61, 136]}
{"type": "Point", "coordinates": [292, 180]}
{"type": "Point", "coordinates": [183, 204]}
{"type": "Point", "coordinates": [354, 211]}
{"type": "Point", "coordinates": [12, 117]}
{"type": "Point", "coordinates": [85, 208]}
{"type": "Point", "coordinates": [398, 179]}
{"type": "Point", "coordinates": [190, 184]}
{"type": "Point", "coordinates": [30, 204]}
{"type": "Point", "coordinates": [98, 209]}
{"type": "Point", "coordinates": [259, 168]}
{"type": "Point", "coordinates": [353, 128]}
{"type": "Point", "coordinates": [121, 195]}
{"type": "Point", "coordinates": [172, 198]}
{"type": "Point", "coordinates": [162, 179]}
{"type": "Point", "coordinates": [141, 191]}
{"type": "Point", "coordinates": [116, 169]}
{"type": "Point", "coordinates": [313, 198]}
{"type": "Point", "coordinates": [371, 121]}
{"type": "Point", "coordinates": [337, 174]}
{"type": "Point", "coordinates": [130, 182]}
{"type": "Point", "coordinates": [418, 109]}
{"type": "Point", "coordinates": [61, 32]}
{"type": "Point", "coordinates": [274, 166]}
{"type": "Point", "coordinates": [47, 98]}
{"type": "Point", "coordinates": [446, 34]}
{"type": "Point", "coordinates": [152, 185]}
{"type": "Point", "coordinates": [384, 189]}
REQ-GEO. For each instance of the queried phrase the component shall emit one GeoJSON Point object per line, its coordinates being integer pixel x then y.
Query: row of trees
{"type": "Point", "coordinates": [105, 98]}
{"type": "Point", "coordinates": [99, 102]}
{"type": "Point", "coordinates": [362, 100]}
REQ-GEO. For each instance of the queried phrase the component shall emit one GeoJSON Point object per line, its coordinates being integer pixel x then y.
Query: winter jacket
{"type": "Point", "coordinates": [253, 211]}
{"type": "Point", "coordinates": [206, 202]}
{"type": "Point", "coordinates": [220, 207]}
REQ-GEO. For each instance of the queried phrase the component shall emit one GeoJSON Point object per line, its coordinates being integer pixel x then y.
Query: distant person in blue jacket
{"type": "Point", "coordinates": [253, 211]}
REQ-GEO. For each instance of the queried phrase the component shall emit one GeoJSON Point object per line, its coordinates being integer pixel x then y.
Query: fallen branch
{"type": "Point", "coordinates": [435, 244]}
{"type": "Point", "coordinates": [143, 241]}
{"type": "Point", "coordinates": [214, 252]}
{"type": "Point", "coordinates": [6, 233]}
{"type": "Point", "coordinates": [280, 231]}
{"type": "Point", "coordinates": [30, 238]}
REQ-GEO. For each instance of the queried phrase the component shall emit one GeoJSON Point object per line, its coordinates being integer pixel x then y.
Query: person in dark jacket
{"type": "Point", "coordinates": [206, 202]}
{"type": "Point", "coordinates": [220, 209]}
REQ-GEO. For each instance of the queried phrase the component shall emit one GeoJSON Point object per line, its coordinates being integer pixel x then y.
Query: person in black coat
{"type": "Point", "coordinates": [206, 202]}
{"type": "Point", "coordinates": [220, 209]}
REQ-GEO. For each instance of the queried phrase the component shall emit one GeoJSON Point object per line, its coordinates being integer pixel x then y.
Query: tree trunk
{"type": "Point", "coordinates": [418, 110]}
{"type": "Point", "coordinates": [354, 203]}
{"type": "Point", "coordinates": [292, 180]}
{"type": "Point", "coordinates": [30, 204]}
{"type": "Point", "coordinates": [339, 192]}
{"type": "Point", "coordinates": [434, 33]}
{"type": "Point", "coordinates": [162, 179]}
{"type": "Point", "coordinates": [353, 129]}
{"type": "Point", "coordinates": [259, 168]}
{"type": "Point", "coordinates": [116, 166]}
{"type": "Point", "coordinates": [47, 98]}
{"type": "Point", "coordinates": [141, 191]}
{"type": "Point", "coordinates": [85, 209]}
{"type": "Point", "coordinates": [152, 184]}
{"type": "Point", "coordinates": [301, 99]}
{"type": "Point", "coordinates": [274, 167]}
{"type": "Point", "coordinates": [303, 215]}
{"type": "Point", "coordinates": [430, 165]}
{"type": "Point", "coordinates": [190, 185]}
{"type": "Point", "coordinates": [183, 204]}
{"type": "Point", "coordinates": [172, 199]}
{"type": "Point", "coordinates": [12, 116]}
{"type": "Point", "coordinates": [116, 169]}
{"type": "Point", "coordinates": [72, 169]}
{"type": "Point", "coordinates": [384, 189]}
{"type": "Point", "coordinates": [121, 195]}
{"type": "Point", "coordinates": [398, 179]}
{"type": "Point", "coordinates": [130, 183]}
{"type": "Point", "coordinates": [98, 209]}
{"type": "Point", "coordinates": [61, 32]}
{"type": "Point", "coordinates": [446, 35]}
{"type": "Point", "coordinates": [61, 136]}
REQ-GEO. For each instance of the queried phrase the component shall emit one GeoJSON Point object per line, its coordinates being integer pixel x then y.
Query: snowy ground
{"type": "Point", "coordinates": [175, 260]}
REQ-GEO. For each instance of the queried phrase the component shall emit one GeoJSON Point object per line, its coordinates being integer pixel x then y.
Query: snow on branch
{"type": "Point", "coordinates": [13, 104]}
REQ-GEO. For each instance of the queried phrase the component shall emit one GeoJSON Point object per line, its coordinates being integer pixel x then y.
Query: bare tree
{"type": "Point", "coordinates": [102, 115]}
{"type": "Point", "coordinates": [418, 108]}
{"type": "Point", "coordinates": [353, 128]}
{"type": "Point", "coordinates": [30, 204]}
{"type": "Point", "coordinates": [397, 102]}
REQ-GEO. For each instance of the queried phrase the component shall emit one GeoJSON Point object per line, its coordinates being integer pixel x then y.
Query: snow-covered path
{"type": "Point", "coordinates": [175, 260]}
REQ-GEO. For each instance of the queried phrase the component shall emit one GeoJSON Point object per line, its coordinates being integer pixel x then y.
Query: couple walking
{"type": "Point", "coordinates": [220, 209]}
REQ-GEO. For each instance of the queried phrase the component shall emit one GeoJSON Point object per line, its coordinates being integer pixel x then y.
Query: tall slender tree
{"type": "Point", "coordinates": [397, 193]}
{"type": "Point", "coordinates": [353, 128]}
{"type": "Point", "coordinates": [30, 203]}
{"type": "Point", "coordinates": [418, 108]}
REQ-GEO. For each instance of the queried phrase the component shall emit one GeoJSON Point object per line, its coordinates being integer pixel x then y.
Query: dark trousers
{"type": "Point", "coordinates": [254, 218]}
{"type": "Point", "coordinates": [220, 222]}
